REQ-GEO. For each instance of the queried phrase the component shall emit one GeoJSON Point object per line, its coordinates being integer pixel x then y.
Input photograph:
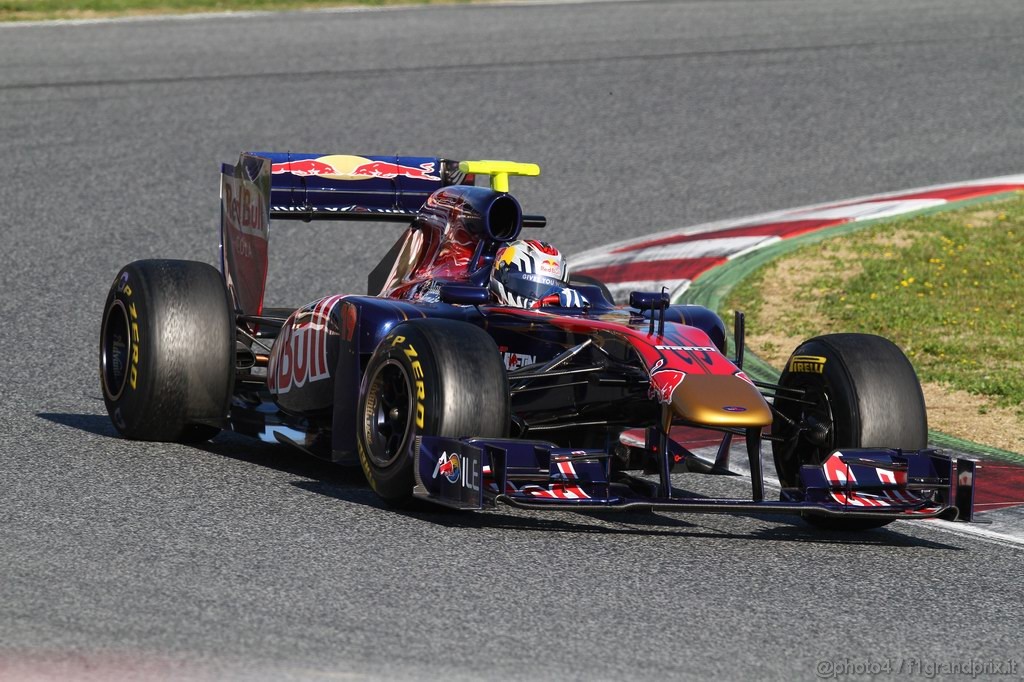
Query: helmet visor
{"type": "Point", "coordinates": [529, 286]}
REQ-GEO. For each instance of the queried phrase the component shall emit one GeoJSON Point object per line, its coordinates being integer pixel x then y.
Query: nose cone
{"type": "Point", "coordinates": [717, 400]}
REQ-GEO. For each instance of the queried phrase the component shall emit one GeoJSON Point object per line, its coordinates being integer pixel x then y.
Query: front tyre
{"type": "Point", "coordinates": [430, 377]}
{"type": "Point", "coordinates": [855, 391]}
{"type": "Point", "coordinates": [167, 351]}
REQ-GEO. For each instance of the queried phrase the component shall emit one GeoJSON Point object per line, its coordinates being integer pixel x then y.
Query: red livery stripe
{"type": "Point", "coordinates": [685, 268]}
{"type": "Point", "coordinates": [784, 228]}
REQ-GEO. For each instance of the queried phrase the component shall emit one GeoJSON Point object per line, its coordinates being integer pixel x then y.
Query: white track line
{"type": "Point", "coordinates": [857, 208]}
{"type": "Point", "coordinates": [975, 530]}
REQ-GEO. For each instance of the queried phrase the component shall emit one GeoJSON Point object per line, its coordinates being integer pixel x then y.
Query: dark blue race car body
{"type": "Point", "coordinates": [584, 395]}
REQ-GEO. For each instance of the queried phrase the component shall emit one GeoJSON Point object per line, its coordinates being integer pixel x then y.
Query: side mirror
{"type": "Point", "coordinates": [463, 294]}
{"type": "Point", "coordinates": [648, 300]}
{"type": "Point", "coordinates": [652, 300]}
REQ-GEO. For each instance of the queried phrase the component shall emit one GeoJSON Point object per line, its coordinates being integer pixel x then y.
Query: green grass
{"type": "Point", "coordinates": [946, 287]}
{"type": "Point", "coordinates": [22, 10]}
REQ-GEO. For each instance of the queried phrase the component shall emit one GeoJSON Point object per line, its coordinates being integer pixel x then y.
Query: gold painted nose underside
{"type": "Point", "coordinates": [717, 400]}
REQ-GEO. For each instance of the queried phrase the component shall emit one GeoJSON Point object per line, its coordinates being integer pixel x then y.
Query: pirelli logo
{"type": "Point", "coordinates": [807, 364]}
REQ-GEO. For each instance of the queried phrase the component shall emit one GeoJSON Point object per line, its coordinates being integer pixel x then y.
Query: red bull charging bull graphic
{"type": "Point", "coordinates": [347, 167]}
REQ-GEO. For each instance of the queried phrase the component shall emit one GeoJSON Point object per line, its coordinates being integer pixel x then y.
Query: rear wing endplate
{"type": "Point", "coordinates": [245, 191]}
{"type": "Point", "coordinates": [288, 186]}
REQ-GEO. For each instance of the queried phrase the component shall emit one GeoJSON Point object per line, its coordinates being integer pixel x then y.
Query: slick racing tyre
{"type": "Point", "coordinates": [858, 390]}
{"type": "Point", "coordinates": [427, 377]}
{"type": "Point", "coordinates": [167, 351]}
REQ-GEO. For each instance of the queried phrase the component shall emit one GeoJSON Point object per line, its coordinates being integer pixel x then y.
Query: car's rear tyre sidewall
{"type": "Point", "coordinates": [167, 351]}
{"type": "Point", "coordinates": [427, 377]}
{"type": "Point", "coordinates": [866, 388]}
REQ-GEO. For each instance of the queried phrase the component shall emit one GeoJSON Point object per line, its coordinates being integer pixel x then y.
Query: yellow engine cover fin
{"type": "Point", "coordinates": [499, 171]}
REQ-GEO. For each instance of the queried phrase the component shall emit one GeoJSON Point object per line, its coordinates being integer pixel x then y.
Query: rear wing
{"type": "Point", "coordinates": [286, 186]}
{"type": "Point", "coordinates": [346, 187]}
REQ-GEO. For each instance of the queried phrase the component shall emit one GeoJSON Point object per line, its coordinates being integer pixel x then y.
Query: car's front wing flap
{"type": "Point", "coordinates": [477, 473]}
{"type": "Point", "coordinates": [908, 482]}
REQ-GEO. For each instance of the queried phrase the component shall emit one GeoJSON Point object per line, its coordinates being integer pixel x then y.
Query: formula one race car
{"type": "Point", "coordinates": [473, 373]}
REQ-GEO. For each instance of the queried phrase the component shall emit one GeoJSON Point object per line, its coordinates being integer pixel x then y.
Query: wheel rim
{"type": "Point", "coordinates": [115, 350]}
{"type": "Point", "coordinates": [387, 416]}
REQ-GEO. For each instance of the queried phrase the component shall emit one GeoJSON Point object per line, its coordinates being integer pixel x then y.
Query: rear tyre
{"type": "Point", "coordinates": [862, 392]}
{"type": "Point", "coordinates": [167, 351]}
{"type": "Point", "coordinates": [428, 377]}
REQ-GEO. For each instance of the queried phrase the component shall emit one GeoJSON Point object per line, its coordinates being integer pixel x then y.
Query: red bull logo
{"type": "Point", "coordinates": [550, 266]}
{"type": "Point", "coordinates": [243, 209]}
{"type": "Point", "coordinates": [345, 167]}
{"type": "Point", "coordinates": [304, 168]}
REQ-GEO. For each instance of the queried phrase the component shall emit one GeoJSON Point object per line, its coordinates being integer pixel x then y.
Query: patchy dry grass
{"type": "Point", "coordinates": [32, 10]}
{"type": "Point", "coordinates": [948, 288]}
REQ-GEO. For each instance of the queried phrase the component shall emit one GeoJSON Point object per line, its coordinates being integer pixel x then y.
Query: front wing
{"type": "Point", "coordinates": [478, 473]}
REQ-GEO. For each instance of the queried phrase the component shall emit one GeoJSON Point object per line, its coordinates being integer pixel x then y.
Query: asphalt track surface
{"type": "Point", "coordinates": [236, 560]}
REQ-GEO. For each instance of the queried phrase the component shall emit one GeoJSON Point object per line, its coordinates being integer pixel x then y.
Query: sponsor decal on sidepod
{"type": "Point", "coordinates": [300, 353]}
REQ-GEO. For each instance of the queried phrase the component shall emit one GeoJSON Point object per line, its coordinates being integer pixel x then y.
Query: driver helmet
{"type": "Point", "coordinates": [525, 271]}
